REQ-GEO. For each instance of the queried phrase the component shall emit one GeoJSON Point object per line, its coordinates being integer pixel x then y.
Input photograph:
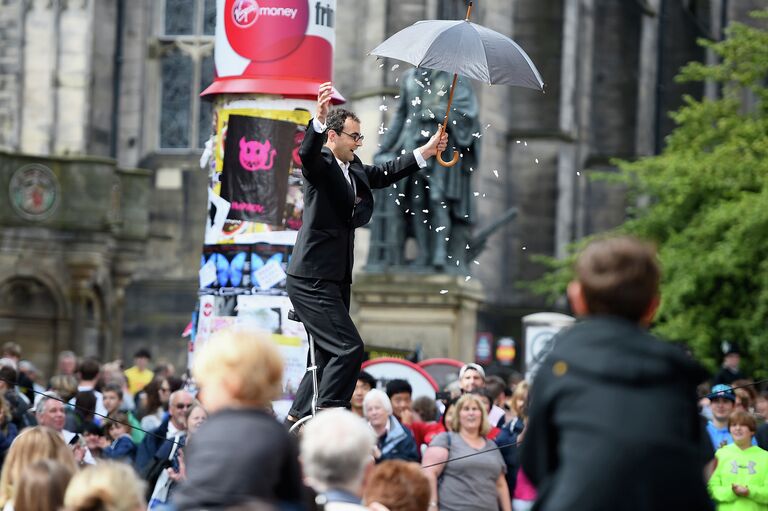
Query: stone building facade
{"type": "Point", "coordinates": [93, 88]}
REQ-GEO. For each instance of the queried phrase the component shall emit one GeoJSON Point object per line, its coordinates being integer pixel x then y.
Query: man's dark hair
{"type": "Point", "coordinates": [89, 369]}
{"type": "Point", "coordinates": [619, 277]}
{"type": "Point", "coordinates": [398, 386]}
{"type": "Point", "coordinates": [425, 407]}
{"type": "Point", "coordinates": [336, 118]}
{"type": "Point", "coordinates": [495, 386]}
{"type": "Point", "coordinates": [367, 378]}
{"type": "Point", "coordinates": [8, 376]}
{"type": "Point", "coordinates": [143, 353]}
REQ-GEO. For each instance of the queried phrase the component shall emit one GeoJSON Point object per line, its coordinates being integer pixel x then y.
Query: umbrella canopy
{"type": "Point", "coordinates": [465, 48]}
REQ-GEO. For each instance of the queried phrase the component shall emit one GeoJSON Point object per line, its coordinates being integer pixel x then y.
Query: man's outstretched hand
{"type": "Point", "coordinates": [323, 101]}
{"type": "Point", "coordinates": [435, 144]}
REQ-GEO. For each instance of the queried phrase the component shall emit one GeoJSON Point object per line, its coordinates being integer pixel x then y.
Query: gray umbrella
{"type": "Point", "coordinates": [462, 48]}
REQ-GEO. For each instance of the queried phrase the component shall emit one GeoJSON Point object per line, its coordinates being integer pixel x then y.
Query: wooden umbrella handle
{"type": "Point", "coordinates": [439, 156]}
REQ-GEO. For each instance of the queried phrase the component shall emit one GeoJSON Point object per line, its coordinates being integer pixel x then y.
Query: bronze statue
{"type": "Point", "coordinates": [434, 206]}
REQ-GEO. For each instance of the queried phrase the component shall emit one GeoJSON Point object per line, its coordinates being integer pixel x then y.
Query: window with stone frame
{"type": "Point", "coordinates": [184, 48]}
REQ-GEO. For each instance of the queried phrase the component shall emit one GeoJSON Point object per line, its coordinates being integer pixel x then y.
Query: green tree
{"type": "Point", "coordinates": [706, 199]}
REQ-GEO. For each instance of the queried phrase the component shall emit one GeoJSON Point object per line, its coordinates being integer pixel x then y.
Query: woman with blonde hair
{"type": "Point", "coordinates": [42, 486]}
{"type": "Point", "coordinates": [33, 444]}
{"type": "Point", "coordinates": [467, 482]}
{"type": "Point", "coordinates": [108, 486]}
{"type": "Point", "coordinates": [239, 373]}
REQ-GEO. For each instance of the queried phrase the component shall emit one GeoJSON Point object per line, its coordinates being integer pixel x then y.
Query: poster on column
{"type": "Point", "coordinates": [257, 157]}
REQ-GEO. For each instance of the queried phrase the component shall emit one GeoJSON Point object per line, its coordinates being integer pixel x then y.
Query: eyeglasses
{"type": "Point", "coordinates": [182, 406]}
{"type": "Point", "coordinates": [357, 137]}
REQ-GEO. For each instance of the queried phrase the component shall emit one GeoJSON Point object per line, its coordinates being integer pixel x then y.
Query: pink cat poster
{"type": "Point", "coordinates": [257, 159]}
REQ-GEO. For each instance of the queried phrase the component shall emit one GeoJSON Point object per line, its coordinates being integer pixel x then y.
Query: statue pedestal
{"type": "Point", "coordinates": [405, 310]}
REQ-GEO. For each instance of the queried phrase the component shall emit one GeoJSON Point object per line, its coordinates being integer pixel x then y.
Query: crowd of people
{"type": "Point", "coordinates": [97, 436]}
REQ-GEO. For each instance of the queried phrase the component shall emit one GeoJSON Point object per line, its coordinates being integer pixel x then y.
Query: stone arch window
{"type": "Point", "coordinates": [29, 315]}
{"type": "Point", "coordinates": [183, 46]}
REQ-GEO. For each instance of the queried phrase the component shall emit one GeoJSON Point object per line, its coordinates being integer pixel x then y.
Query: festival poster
{"type": "Point", "coordinates": [257, 159]}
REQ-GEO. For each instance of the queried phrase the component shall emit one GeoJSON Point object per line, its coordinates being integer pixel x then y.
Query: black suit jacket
{"type": "Point", "coordinates": [325, 243]}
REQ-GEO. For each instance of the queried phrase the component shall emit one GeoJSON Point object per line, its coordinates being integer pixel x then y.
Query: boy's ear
{"type": "Point", "coordinates": [576, 298]}
{"type": "Point", "coordinates": [651, 311]}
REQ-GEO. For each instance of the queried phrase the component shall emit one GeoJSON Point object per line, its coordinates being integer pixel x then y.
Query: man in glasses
{"type": "Point", "coordinates": [337, 200]}
{"type": "Point", "coordinates": [157, 446]}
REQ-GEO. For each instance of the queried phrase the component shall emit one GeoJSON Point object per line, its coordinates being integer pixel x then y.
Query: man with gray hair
{"type": "Point", "coordinates": [337, 456]}
{"type": "Point", "coordinates": [50, 413]}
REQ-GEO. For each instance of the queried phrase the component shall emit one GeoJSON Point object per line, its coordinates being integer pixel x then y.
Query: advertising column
{"type": "Point", "coordinates": [270, 58]}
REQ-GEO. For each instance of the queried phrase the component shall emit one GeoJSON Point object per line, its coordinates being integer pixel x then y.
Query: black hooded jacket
{"type": "Point", "coordinates": [614, 423]}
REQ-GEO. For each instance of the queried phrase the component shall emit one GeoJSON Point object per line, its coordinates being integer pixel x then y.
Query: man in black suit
{"type": "Point", "coordinates": [337, 200]}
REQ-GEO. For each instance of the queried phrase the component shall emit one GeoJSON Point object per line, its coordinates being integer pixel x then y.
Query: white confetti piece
{"type": "Point", "coordinates": [441, 92]}
{"type": "Point", "coordinates": [425, 211]}
{"type": "Point", "coordinates": [477, 135]}
{"type": "Point", "coordinates": [443, 291]}
{"type": "Point", "coordinates": [381, 65]}
{"type": "Point", "coordinates": [397, 96]}
{"type": "Point", "coordinates": [381, 129]}
{"type": "Point", "coordinates": [447, 239]}
{"type": "Point", "coordinates": [419, 84]}
{"type": "Point", "coordinates": [425, 133]}
{"type": "Point", "coordinates": [526, 144]}
{"type": "Point", "coordinates": [475, 261]}
{"type": "Point", "coordinates": [536, 160]}
{"type": "Point", "coordinates": [496, 173]}
{"type": "Point", "coordinates": [467, 247]}
{"type": "Point", "coordinates": [476, 194]}
{"type": "Point", "coordinates": [382, 108]}
{"type": "Point", "coordinates": [578, 173]}
{"type": "Point", "coordinates": [440, 228]}
{"type": "Point", "coordinates": [395, 66]}
{"type": "Point", "coordinates": [397, 201]}
{"type": "Point", "coordinates": [466, 279]}
{"type": "Point", "coordinates": [457, 263]}
{"type": "Point", "coordinates": [517, 141]}
{"type": "Point", "coordinates": [416, 101]}
{"type": "Point", "coordinates": [525, 248]}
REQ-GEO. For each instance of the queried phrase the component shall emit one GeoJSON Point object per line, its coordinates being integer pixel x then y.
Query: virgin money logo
{"type": "Point", "coordinates": [265, 30]}
{"type": "Point", "coordinates": [246, 12]}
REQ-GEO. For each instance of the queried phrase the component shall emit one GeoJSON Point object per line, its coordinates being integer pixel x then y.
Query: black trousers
{"type": "Point", "coordinates": [323, 307]}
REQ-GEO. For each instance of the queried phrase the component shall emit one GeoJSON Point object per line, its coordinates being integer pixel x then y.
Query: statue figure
{"type": "Point", "coordinates": [435, 205]}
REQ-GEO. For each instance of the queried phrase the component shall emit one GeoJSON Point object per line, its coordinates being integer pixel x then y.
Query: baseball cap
{"type": "Point", "coordinates": [722, 391]}
{"type": "Point", "coordinates": [473, 366]}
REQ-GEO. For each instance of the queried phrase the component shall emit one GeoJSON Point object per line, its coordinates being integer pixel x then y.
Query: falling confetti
{"type": "Point", "coordinates": [526, 144]}
{"type": "Point", "coordinates": [467, 247]}
{"type": "Point", "coordinates": [395, 66]}
{"type": "Point", "coordinates": [578, 173]}
{"type": "Point", "coordinates": [536, 160]}
{"type": "Point", "coordinates": [476, 194]}
{"type": "Point", "coordinates": [466, 279]}
{"type": "Point", "coordinates": [443, 291]}
{"type": "Point", "coordinates": [419, 83]}
{"type": "Point", "coordinates": [447, 239]}
{"type": "Point", "coordinates": [441, 92]}
{"type": "Point", "coordinates": [440, 228]}
{"type": "Point", "coordinates": [397, 201]}
{"type": "Point", "coordinates": [524, 248]}
{"type": "Point", "coordinates": [457, 263]}
{"type": "Point", "coordinates": [517, 141]}
{"type": "Point", "coordinates": [397, 96]}
{"type": "Point", "coordinates": [382, 108]}
{"type": "Point", "coordinates": [381, 65]}
{"type": "Point", "coordinates": [431, 115]}
{"type": "Point", "coordinates": [424, 133]}
{"type": "Point", "coordinates": [477, 135]}
{"type": "Point", "coordinates": [496, 173]}
{"type": "Point", "coordinates": [475, 261]}
{"type": "Point", "coordinates": [415, 101]}
{"type": "Point", "coordinates": [425, 211]}
{"type": "Point", "coordinates": [381, 129]}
